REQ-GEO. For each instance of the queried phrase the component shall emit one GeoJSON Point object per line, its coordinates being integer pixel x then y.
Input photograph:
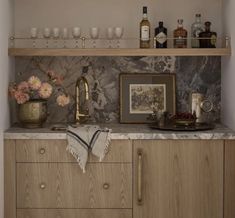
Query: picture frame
{"type": "Point", "coordinates": [140, 93]}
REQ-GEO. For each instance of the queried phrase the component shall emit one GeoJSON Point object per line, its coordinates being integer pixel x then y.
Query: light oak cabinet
{"type": "Point", "coordinates": [138, 179]}
{"type": "Point", "coordinates": [178, 179]}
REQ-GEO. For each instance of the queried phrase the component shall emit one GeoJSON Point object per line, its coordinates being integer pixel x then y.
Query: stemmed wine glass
{"type": "Point", "coordinates": [109, 34]}
{"type": "Point", "coordinates": [56, 35]}
{"type": "Point", "coordinates": [118, 31]}
{"type": "Point", "coordinates": [65, 34]}
{"type": "Point", "coordinates": [34, 35]}
{"type": "Point", "coordinates": [47, 35]}
{"type": "Point", "coordinates": [76, 34]}
{"type": "Point", "coordinates": [94, 33]}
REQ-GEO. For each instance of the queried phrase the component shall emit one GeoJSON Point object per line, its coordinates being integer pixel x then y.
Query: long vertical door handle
{"type": "Point", "coordinates": [139, 177]}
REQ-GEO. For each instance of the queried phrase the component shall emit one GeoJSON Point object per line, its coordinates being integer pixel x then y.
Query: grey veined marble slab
{"type": "Point", "coordinates": [202, 74]}
{"type": "Point", "coordinates": [125, 131]}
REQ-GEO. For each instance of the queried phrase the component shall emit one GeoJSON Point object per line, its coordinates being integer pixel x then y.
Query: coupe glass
{"type": "Point", "coordinates": [34, 35]}
{"type": "Point", "coordinates": [47, 35]}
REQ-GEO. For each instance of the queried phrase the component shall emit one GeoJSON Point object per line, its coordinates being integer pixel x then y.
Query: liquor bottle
{"type": "Point", "coordinates": [180, 35]}
{"type": "Point", "coordinates": [208, 38]}
{"type": "Point", "coordinates": [161, 36]}
{"type": "Point", "coordinates": [197, 28]}
{"type": "Point", "coordinates": [145, 30]}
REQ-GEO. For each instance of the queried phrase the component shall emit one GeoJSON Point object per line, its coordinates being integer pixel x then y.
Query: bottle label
{"type": "Point", "coordinates": [161, 38]}
{"type": "Point", "coordinates": [180, 42]}
{"type": "Point", "coordinates": [145, 33]}
{"type": "Point", "coordinates": [213, 40]}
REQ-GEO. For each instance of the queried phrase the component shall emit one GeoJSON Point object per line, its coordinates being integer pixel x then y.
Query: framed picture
{"type": "Point", "coordinates": [140, 94]}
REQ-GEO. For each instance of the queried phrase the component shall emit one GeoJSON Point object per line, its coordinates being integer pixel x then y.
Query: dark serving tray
{"type": "Point", "coordinates": [173, 127]}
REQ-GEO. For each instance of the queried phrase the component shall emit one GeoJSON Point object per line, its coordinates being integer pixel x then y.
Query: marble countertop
{"type": "Point", "coordinates": [124, 131]}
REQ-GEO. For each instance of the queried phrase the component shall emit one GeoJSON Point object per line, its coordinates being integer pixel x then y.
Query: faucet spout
{"type": "Point", "coordinates": [82, 94]}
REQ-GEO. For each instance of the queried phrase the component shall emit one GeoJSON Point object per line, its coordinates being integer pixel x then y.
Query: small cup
{"type": "Point", "coordinates": [118, 31]}
{"type": "Point", "coordinates": [34, 32]}
{"type": "Point", "coordinates": [56, 32]}
{"type": "Point", "coordinates": [65, 33]}
{"type": "Point", "coordinates": [76, 32]}
{"type": "Point", "coordinates": [109, 32]}
{"type": "Point", "coordinates": [47, 32]}
{"type": "Point", "coordinates": [94, 32]}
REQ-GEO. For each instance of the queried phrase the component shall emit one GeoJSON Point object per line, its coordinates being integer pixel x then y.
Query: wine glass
{"type": "Point", "coordinates": [94, 33]}
{"type": "Point", "coordinates": [56, 34]}
{"type": "Point", "coordinates": [76, 34]}
{"type": "Point", "coordinates": [118, 31]}
{"type": "Point", "coordinates": [109, 33]}
{"type": "Point", "coordinates": [47, 35]}
{"type": "Point", "coordinates": [65, 35]}
{"type": "Point", "coordinates": [34, 35]}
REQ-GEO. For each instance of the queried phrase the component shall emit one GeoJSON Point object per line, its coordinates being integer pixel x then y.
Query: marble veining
{"type": "Point", "coordinates": [201, 74]}
{"type": "Point", "coordinates": [125, 131]}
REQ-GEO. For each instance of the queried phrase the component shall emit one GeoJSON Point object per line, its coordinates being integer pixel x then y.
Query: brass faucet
{"type": "Point", "coordinates": [80, 116]}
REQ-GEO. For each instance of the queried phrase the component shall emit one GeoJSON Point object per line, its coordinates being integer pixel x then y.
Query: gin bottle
{"type": "Point", "coordinates": [161, 36]}
{"type": "Point", "coordinates": [197, 28]}
{"type": "Point", "coordinates": [180, 35]}
{"type": "Point", "coordinates": [208, 38]}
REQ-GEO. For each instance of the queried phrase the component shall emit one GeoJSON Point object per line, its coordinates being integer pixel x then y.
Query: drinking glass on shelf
{"type": "Point", "coordinates": [94, 33]}
{"type": "Point", "coordinates": [56, 35]}
{"type": "Point", "coordinates": [47, 35]}
{"type": "Point", "coordinates": [109, 34]}
{"type": "Point", "coordinates": [118, 31]}
{"type": "Point", "coordinates": [34, 35]}
{"type": "Point", "coordinates": [65, 35]}
{"type": "Point", "coordinates": [76, 34]}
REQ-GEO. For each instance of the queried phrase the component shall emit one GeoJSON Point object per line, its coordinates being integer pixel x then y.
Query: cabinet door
{"type": "Point", "coordinates": [178, 179]}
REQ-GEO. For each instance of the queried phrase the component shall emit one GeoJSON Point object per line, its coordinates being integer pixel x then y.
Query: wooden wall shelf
{"type": "Point", "coordinates": [119, 52]}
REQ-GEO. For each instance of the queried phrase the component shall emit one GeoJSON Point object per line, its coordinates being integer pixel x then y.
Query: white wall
{"type": "Point", "coordinates": [6, 66]}
{"type": "Point", "coordinates": [104, 13]}
{"type": "Point", "coordinates": [228, 67]}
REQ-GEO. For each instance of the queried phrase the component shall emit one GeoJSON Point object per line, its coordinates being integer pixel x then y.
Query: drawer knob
{"type": "Point", "coordinates": [42, 150]}
{"type": "Point", "coordinates": [42, 186]}
{"type": "Point", "coordinates": [106, 186]}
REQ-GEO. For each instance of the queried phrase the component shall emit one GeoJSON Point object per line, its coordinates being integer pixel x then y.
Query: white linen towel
{"type": "Point", "coordinates": [85, 139]}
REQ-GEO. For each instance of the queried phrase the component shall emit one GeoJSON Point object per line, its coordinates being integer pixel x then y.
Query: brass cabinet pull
{"type": "Point", "coordinates": [106, 186]}
{"type": "Point", "coordinates": [42, 186]}
{"type": "Point", "coordinates": [139, 177]}
{"type": "Point", "coordinates": [42, 150]}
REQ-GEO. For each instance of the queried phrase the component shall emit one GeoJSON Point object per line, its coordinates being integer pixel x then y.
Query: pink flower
{"type": "Point", "coordinates": [21, 97]}
{"type": "Point", "coordinates": [12, 90]}
{"type": "Point", "coordinates": [63, 100]}
{"type": "Point", "coordinates": [51, 74]}
{"type": "Point", "coordinates": [59, 80]}
{"type": "Point", "coordinates": [23, 86]}
{"type": "Point", "coordinates": [34, 83]}
{"type": "Point", "coordinates": [45, 91]}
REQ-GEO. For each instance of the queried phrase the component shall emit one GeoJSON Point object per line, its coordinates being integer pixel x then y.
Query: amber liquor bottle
{"type": "Point", "coordinates": [161, 36]}
{"type": "Point", "coordinates": [145, 30]}
{"type": "Point", "coordinates": [208, 38]}
{"type": "Point", "coordinates": [180, 35]}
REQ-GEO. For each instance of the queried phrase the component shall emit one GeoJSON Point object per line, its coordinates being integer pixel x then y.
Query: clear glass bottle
{"type": "Point", "coordinates": [180, 35]}
{"type": "Point", "coordinates": [161, 36]}
{"type": "Point", "coordinates": [208, 37]}
{"type": "Point", "coordinates": [197, 28]}
{"type": "Point", "coordinates": [145, 30]}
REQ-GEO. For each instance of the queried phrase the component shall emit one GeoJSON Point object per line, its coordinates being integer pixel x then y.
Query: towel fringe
{"type": "Point", "coordinates": [106, 149]}
{"type": "Point", "coordinates": [76, 156]}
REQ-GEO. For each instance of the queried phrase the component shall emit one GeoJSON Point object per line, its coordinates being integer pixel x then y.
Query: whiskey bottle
{"type": "Point", "coordinates": [180, 35]}
{"type": "Point", "coordinates": [208, 38]}
{"type": "Point", "coordinates": [161, 36]}
{"type": "Point", "coordinates": [197, 28]}
{"type": "Point", "coordinates": [145, 30]}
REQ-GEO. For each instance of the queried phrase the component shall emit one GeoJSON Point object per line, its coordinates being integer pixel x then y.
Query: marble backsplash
{"type": "Point", "coordinates": [201, 74]}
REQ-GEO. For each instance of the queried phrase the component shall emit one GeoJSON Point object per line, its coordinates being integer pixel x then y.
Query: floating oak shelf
{"type": "Point", "coordinates": [119, 52]}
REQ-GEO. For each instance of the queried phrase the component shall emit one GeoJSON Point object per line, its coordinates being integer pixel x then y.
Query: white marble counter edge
{"type": "Point", "coordinates": [128, 136]}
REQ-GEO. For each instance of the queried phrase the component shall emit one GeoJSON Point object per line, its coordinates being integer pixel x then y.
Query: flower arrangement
{"type": "Point", "coordinates": [34, 88]}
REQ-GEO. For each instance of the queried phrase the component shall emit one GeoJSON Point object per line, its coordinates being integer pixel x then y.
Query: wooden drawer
{"type": "Point", "coordinates": [55, 151]}
{"type": "Point", "coordinates": [63, 185]}
{"type": "Point", "coordinates": [74, 213]}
